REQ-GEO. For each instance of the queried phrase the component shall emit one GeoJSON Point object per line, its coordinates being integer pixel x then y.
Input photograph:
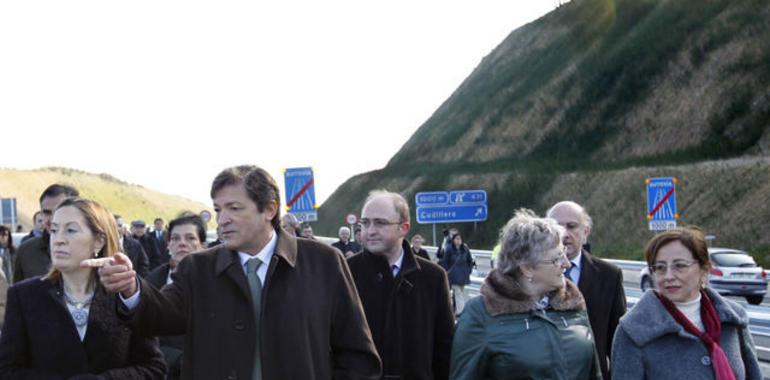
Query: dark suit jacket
{"type": "Point", "coordinates": [135, 252]}
{"type": "Point", "coordinates": [410, 315]}
{"type": "Point", "coordinates": [602, 286]}
{"type": "Point", "coordinates": [421, 253]}
{"type": "Point", "coordinates": [33, 258]}
{"type": "Point", "coordinates": [40, 341]}
{"type": "Point", "coordinates": [312, 324]}
{"type": "Point", "coordinates": [162, 241]}
{"type": "Point", "coordinates": [152, 250]}
{"type": "Point", "coordinates": [172, 346]}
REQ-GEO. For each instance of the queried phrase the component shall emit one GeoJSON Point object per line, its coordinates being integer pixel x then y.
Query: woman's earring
{"type": "Point", "coordinates": [96, 253]}
{"type": "Point", "coordinates": [529, 279]}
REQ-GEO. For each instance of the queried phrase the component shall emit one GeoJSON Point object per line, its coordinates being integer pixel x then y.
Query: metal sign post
{"type": "Point", "coordinates": [351, 219]}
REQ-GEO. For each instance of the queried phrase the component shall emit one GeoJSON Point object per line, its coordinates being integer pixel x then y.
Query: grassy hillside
{"type": "Point", "coordinates": [636, 81]}
{"type": "Point", "coordinates": [589, 101]}
{"type": "Point", "coordinates": [727, 198]}
{"type": "Point", "coordinates": [130, 201]}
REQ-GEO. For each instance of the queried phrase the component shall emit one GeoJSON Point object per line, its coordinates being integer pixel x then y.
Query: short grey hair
{"type": "Point", "coordinates": [586, 218]}
{"type": "Point", "coordinates": [525, 238]}
{"type": "Point", "coordinates": [291, 220]}
{"type": "Point", "coordinates": [399, 203]}
{"type": "Point", "coordinates": [345, 229]}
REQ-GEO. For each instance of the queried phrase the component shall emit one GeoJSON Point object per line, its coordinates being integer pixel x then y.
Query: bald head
{"type": "Point", "coordinates": [577, 223]}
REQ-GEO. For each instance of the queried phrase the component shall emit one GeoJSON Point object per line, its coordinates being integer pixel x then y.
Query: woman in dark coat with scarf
{"type": "Point", "coordinates": [683, 330]}
{"type": "Point", "coordinates": [458, 262]}
{"type": "Point", "coordinates": [65, 325]}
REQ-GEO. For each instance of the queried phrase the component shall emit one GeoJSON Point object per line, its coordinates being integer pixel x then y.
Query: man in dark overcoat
{"type": "Point", "coordinates": [298, 316]}
{"type": "Point", "coordinates": [405, 297]}
{"type": "Point", "coordinates": [600, 282]}
{"type": "Point", "coordinates": [33, 258]}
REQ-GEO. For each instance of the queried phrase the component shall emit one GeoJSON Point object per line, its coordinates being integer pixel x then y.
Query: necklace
{"type": "Point", "coordinates": [80, 314]}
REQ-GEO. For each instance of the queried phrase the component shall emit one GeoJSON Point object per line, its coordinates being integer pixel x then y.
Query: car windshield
{"type": "Point", "coordinates": [733, 260]}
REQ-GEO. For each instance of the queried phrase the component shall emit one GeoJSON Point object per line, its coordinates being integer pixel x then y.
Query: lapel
{"type": "Point", "coordinates": [69, 334]}
{"type": "Point", "coordinates": [408, 265]}
{"type": "Point", "coordinates": [228, 264]}
{"type": "Point", "coordinates": [588, 275]}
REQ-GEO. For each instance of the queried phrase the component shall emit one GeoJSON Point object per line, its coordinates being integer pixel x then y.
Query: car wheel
{"type": "Point", "coordinates": [646, 283]}
{"type": "Point", "coordinates": [755, 300]}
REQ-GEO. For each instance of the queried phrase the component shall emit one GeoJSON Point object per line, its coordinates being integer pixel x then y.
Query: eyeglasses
{"type": "Point", "coordinates": [376, 223]}
{"type": "Point", "coordinates": [562, 258]}
{"type": "Point", "coordinates": [678, 266]}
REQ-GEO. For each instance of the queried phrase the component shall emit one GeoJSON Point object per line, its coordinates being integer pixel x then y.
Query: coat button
{"type": "Point", "coordinates": [240, 325]}
{"type": "Point", "coordinates": [705, 360]}
{"type": "Point", "coordinates": [232, 376]}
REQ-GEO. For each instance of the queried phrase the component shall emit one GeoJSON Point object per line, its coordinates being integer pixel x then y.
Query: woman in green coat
{"type": "Point", "coordinates": [529, 323]}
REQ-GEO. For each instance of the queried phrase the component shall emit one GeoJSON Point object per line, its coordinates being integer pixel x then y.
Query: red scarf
{"type": "Point", "coordinates": [710, 338]}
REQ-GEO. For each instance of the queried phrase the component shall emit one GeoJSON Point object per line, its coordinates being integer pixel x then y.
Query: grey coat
{"type": "Point", "coordinates": [650, 344]}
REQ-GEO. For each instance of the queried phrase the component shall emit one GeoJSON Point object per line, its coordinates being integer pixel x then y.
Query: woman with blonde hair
{"type": "Point", "coordinates": [64, 325]}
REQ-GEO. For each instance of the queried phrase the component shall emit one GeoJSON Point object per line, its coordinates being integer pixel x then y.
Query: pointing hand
{"type": "Point", "coordinates": [115, 273]}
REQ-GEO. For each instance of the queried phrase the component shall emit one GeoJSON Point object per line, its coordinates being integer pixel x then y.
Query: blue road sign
{"type": "Point", "coordinates": [8, 211]}
{"type": "Point", "coordinates": [661, 203]}
{"type": "Point", "coordinates": [431, 198]}
{"type": "Point", "coordinates": [451, 207]}
{"type": "Point", "coordinates": [300, 193]}
{"type": "Point", "coordinates": [468, 197]}
{"type": "Point", "coordinates": [451, 214]}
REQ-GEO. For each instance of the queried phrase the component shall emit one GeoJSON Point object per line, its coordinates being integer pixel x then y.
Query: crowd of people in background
{"type": "Point", "coordinates": [93, 298]}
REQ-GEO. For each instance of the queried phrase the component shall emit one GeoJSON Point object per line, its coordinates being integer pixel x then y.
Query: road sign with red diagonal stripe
{"type": "Point", "coordinates": [300, 193]}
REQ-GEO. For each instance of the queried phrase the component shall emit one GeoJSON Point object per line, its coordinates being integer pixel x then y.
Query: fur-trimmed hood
{"type": "Point", "coordinates": [503, 295]}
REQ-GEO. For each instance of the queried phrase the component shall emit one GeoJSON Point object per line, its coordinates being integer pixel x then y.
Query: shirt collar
{"type": "Point", "coordinates": [398, 263]}
{"type": "Point", "coordinates": [265, 255]}
{"type": "Point", "coordinates": [576, 260]}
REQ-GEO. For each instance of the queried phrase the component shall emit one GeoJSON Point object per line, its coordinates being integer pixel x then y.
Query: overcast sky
{"type": "Point", "coordinates": [165, 94]}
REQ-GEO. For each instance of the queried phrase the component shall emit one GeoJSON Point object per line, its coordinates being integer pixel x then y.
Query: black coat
{"type": "Point", "coordinates": [162, 242]}
{"type": "Point", "coordinates": [602, 286]}
{"type": "Point", "coordinates": [40, 341]}
{"type": "Point", "coordinates": [351, 246]}
{"type": "Point", "coordinates": [136, 254]}
{"type": "Point", "coordinates": [172, 346]}
{"type": "Point", "coordinates": [150, 246]}
{"type": "Point", "coordinates": [33, 258]}
{"type": "Point", "coordinates": [421, 253]}
{"type": "Point", "coordinates": [312, 324]}
{"type": "Point", "coordinates": [410, 315]}
{"type": "Point", "coordinates": [458, 264]}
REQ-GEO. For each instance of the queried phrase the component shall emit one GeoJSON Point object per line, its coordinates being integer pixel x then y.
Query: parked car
{"type": "Point", "coordinates": [733, 272]}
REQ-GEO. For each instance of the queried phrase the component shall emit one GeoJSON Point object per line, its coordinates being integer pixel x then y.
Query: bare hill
{"type": "Point", "coordinates": [130, 201]}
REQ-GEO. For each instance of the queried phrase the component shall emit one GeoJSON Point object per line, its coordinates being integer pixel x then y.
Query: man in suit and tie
{"type": "Point", "coordinates": [160, 237]}
{"type": "Point", "coordinates": [600, 282]}
{"type": "Point", "coordinates": [406, 298]}
{"type": "Point", "coordinates": [263, 305]}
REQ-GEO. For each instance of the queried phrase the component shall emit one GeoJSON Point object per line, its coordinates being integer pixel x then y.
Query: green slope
{"type": "Point", "coordinates": [587, 102]}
